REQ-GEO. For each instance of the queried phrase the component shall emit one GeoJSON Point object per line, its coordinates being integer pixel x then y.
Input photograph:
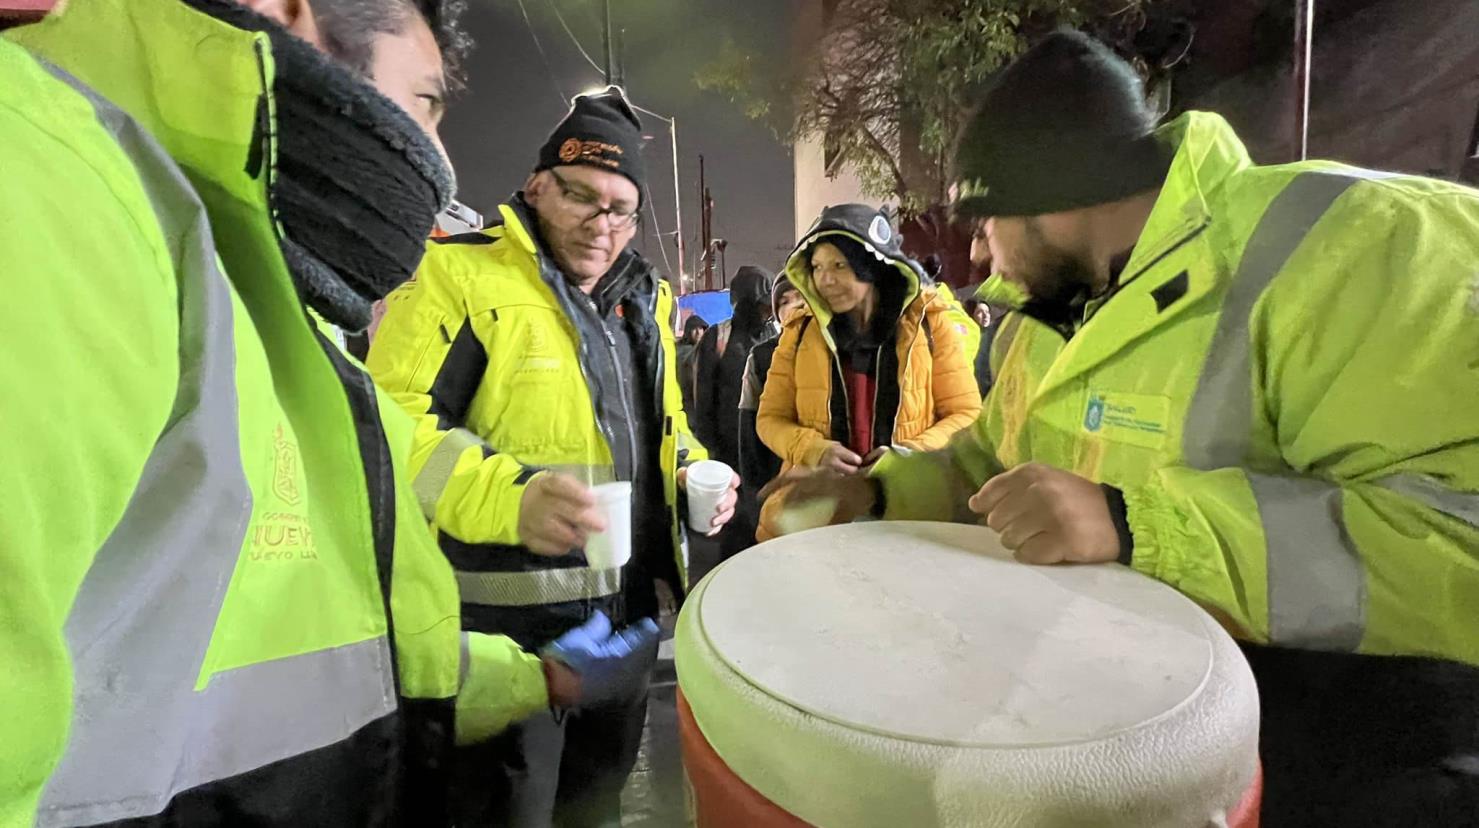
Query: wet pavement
{"type": "Point", "coordinates": [654, 795]}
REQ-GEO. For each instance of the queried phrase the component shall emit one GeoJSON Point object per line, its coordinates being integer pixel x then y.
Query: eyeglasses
{"type": "Point", "coordinates": [586, 205]}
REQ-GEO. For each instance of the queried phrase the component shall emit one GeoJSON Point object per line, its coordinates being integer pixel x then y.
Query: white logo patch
{"type": "Point", "coordinates": [880, 231]}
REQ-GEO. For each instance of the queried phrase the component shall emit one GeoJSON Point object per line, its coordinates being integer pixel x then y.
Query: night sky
{"type": "Point", "coordinates": [494, 129]}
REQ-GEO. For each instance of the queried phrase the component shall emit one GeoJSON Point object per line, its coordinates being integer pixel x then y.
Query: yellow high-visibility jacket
{"type": "Point", "coordinates": [483, 349]}
{"type": "Point", "coordinates": [1285, 387]}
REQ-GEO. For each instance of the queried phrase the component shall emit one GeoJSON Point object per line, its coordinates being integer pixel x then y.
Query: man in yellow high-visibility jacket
{"type": "Point", "coordinates": [219, 601]}
{"type": "Point", "coordinates": [537, 357]}
{"type": "Point", "coordinates": [1257, 384]}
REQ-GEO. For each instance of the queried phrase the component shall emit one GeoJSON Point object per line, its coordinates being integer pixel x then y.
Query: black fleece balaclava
{"type": "Point", "coordinates": [358, 183]}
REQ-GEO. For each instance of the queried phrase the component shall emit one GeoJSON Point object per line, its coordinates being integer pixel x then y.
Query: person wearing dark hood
{"type": "Point", "coordinates": [537, 356]}
{"type": "Point", "coordinates": [721, 363]}
{"type": "Point", "coordinates": [875, 363]}
{"type": "Point", "coordinates": [220, 603]}
{"type": "Point", "coordinates": [757, 463]}
{"type": "Point", "coordinates": [693, 332]}
{"type": "Point", "coordinates": [720, 376]}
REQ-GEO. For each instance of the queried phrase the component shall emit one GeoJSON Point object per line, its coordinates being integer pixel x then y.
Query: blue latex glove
{"type": "Point", "coordinates": [610, 664]}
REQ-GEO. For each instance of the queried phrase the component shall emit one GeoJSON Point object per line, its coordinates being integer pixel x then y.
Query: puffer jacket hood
{"type": "Point", "coordinates": [868, 226]}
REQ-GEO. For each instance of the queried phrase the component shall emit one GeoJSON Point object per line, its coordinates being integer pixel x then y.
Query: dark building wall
{"type": "Point", "coordinates": [1395, 85]}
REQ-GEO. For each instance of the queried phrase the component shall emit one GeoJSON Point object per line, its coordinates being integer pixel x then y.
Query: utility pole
{"type": "Point", "coordinates": [1304, 26]}
{"type": "Point", "coordinates": [706, 227]}
{"type": "Point", "coordinates": [610, 77]}
{"type": "Point", "coordinates": [621, 57]}
{"type": "Point", "coordinates": [677, 202]}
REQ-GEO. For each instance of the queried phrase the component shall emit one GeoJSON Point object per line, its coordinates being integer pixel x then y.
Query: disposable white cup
{"type": "Point", "coordinates": [708, 482]}
{"type": "Point", "coordinates": [612, 548]}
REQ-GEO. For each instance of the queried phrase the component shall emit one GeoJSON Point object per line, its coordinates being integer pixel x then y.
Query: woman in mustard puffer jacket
{"type": "Point", "coordinates": [875, 362]}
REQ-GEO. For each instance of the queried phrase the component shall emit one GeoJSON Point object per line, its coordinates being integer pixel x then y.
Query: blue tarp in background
{"type": "Point", "coordinates": [712, 306]}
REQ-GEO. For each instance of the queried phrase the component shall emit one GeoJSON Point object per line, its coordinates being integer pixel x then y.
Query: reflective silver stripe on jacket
{"type": "Point", "coordinates": [1431, 493]}
{"type": "Point", "coordinates": [543, 586]}
{"type": "Point", "coordinates": [434, 474]}
{"type": "Point", "coordinates": [142, 621]}
{"type": "Point", "coordinates": [1219, 421]}
{"type": "Point", "coordinates": [1316, 581]}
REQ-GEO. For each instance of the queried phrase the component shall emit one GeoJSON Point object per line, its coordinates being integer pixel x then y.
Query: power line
{"type": "Point", "coordinates": [663, 118]}
{"type": "Point", "coordinates": [662, 244]}
{"type": "Point", "coordinates": [574, 39]}
{"type": "Point", "coordinates": [564, 99]}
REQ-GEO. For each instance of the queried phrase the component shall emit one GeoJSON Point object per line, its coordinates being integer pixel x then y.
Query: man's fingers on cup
{"type": "Point", "coordinates": [568, 489]}
{"type": "Point", "coordinates": [542, 544]}
{"type": "Point", "coordinates": [564, 534]}
{"type": "Point", "coordinates": [585, 520]}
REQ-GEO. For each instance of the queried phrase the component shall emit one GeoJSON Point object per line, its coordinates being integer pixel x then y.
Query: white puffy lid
{"type": "Point", "coordinates": [932, 633]}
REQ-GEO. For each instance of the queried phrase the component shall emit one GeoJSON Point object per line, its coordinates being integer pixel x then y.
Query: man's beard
{"type": "Point", "coordinates": [1058, 285]}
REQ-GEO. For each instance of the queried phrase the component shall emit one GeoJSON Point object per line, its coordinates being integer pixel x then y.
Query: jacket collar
{"type": "Point", "coordinates": [630, 274]}
{"type": "Point", "coordinates": [1207, 154]}
{"type": "Point", "coordinates": [198, 85]}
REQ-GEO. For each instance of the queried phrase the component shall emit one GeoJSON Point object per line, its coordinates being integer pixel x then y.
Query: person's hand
{"type": "Point", "coordinates": [561, 682]}
{"type": "Point", "coordinates": [874, 456]}
{"type": "Point", "coordinates": [1048, 516]}
{"type": "Point", "coordinates": [727, 504]}
{"type": "Point", "coordinates": [605, 664]}
{"type": "Point", "coordinates": [556, 515]}
{"type": "Point", "coordinates": [840, 459]}
{"type": "Point", "coordinates": [855, 495]}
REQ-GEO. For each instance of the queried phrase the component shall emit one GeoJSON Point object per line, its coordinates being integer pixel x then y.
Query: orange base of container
{"type": "Point", "coordinates": [723, 800]}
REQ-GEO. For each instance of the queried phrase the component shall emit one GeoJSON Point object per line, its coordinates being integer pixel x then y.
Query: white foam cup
{"type": "Point", "coordinates": [708, 482]}
{"type": "Point", "coordinates": [612, 548]}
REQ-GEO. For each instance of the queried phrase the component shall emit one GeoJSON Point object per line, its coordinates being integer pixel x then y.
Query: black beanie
{"type": "Point", "coordinates": [1065, 126]}
{"type": "Point", "coordinates": [601, 131]}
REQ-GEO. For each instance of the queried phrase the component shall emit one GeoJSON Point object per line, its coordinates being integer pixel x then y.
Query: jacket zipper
{"type": "Point", "coordinates": [846, 403]}
{"type": "Point", "coordinates": [621, 382]}
{"type": "Point", "coordinates": [924, 319]}
{"type": "Point", "coordinates": [660, 384]}
{"type": "Point", "coordinates": [601, 424]}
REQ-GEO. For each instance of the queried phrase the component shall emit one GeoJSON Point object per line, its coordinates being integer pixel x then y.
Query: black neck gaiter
{"type": "Point", "coordinates": [358, 183]}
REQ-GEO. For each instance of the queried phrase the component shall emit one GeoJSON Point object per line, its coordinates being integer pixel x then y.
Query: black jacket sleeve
{"type": "Point", "coordinates": [705, 419]}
